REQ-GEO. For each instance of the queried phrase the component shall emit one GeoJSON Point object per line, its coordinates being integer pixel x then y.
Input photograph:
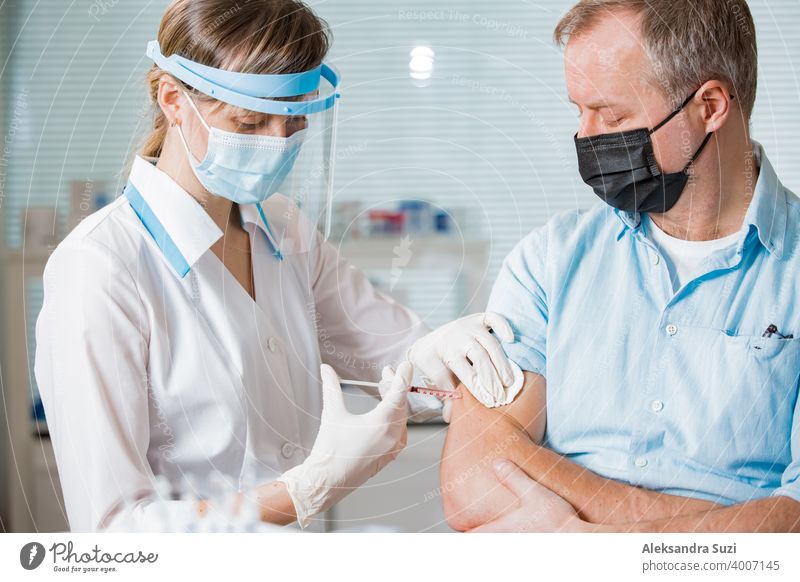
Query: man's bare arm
{"type": "Point", "coordinates": [472, 495]}
{"type": "Point", "coordinates": [773, 514]}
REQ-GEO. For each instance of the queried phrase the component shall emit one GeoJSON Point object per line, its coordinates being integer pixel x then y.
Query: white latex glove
{"type": "Point", "coordinates": [350, 448]}
{"type": "Point", "coordinates": [465, 350]}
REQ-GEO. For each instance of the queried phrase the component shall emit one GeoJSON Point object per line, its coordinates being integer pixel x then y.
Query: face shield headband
{"type": "Point", "coordinates": [252, 91]}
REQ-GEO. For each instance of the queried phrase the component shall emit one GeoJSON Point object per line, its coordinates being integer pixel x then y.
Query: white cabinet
{"type": "Point", "coordinates": [404, 496]}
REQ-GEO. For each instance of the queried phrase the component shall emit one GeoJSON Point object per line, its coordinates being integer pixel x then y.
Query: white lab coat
{"type": "Point", "coordinates": [145, 370]}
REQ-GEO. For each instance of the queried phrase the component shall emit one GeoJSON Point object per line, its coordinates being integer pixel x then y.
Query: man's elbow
{"type": "Point", "coordinates": [471, 493]}
{"type": "Point", "coordinates": [457, 512]}
{"type": "Point", "coordinates": [456, 519]}
{"type": "Point", "coordinates": [462, 510]}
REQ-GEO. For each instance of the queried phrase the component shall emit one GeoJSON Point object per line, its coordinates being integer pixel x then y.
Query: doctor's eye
{"type": "Point", "coordinates": [296, 123]}
{"type": "Point", "coordinates": [250, 121]}
{"type": "Point", "coordinates": [250, 125]}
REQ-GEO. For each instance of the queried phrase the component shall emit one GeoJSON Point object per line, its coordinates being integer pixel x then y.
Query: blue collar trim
{"type": "Point", "coordinates": [276, 249]}
{"type": "Point", "coordinates": [156, 230]}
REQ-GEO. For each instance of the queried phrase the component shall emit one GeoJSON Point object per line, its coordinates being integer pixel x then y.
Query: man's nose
{"type": "Point", "coordinates": [588, 126]}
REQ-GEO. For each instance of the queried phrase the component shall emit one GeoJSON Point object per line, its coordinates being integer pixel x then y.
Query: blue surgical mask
{"type": "Point", "coordinates": [244, 168]}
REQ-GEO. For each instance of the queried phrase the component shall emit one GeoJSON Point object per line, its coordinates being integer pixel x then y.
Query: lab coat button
{"type": "Point", "coordinates": [657, 406]}
{"type": "Point", "coordinates": [272, 344]}
{"type": "Point", "coordinates": [641, 462]}
{"type": "Point", "coordinates": [672, 329]}
{"type": "Point", "coordinates": [287, 450]}
{"type": "Point", "coordinates": [655, 259]}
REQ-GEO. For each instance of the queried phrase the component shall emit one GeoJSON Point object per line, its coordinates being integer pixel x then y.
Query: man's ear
{"type": "Point", "coordinates": [716, 102]}
{"type": "Point", "coordinates": [169, 98]}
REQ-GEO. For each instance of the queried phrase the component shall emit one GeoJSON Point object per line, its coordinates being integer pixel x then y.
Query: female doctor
{"type": "Point", "coordinates": [185, 324]}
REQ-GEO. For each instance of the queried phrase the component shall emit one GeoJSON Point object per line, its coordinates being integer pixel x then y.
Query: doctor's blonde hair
{"type": "Point", "coordinates": [248, 36]}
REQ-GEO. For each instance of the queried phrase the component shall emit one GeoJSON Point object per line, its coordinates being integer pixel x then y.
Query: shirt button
{"type": "Point", "coordinates": [655, 259]}
{"type": "Point", "coordinates": [641, 462]}
{"type": "Point", "coordinates": [656, 406]}
{"type": "Point", "coordinates": [672, 329]}
{"type": "Point", "coordinates": [287, 450]}
{"type": "Point", "coordinates": [272, 344]}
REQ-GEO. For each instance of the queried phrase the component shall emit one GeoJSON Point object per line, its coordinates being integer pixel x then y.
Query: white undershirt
{"type": "Point", "coordinates": [683, 257]}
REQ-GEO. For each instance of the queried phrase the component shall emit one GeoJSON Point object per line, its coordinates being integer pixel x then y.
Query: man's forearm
{"type": "Point", "coordinates": [473, 495]}
{"type": "Point", "coordinates": [773, 514]}
{"type": "Point", "coordinates": [598, 499]}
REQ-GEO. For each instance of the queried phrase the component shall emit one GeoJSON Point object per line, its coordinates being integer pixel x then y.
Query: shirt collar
{"type": "Point", "coordinates": [767, 211]}
{"type": "Point", "coordinates": [632, 220]}
{"type": "Point", "coordinates": [175, 211]}
{"type": "Point", "coordinates": [249, 216]}
{"type": "Point", "coordinates": [769, 208]}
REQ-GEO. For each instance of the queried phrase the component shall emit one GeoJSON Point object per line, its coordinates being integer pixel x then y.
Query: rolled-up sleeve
{"type": "Point", "coordinates": [91, 369]}
{"type": "Point", "coordinates": [519, 295]}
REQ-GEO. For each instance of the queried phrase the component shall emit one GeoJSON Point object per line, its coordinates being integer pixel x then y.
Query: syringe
{"type": "Point", "coordinates": [417, 389]}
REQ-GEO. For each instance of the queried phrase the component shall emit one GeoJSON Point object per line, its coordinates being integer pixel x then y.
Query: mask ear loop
{"type": "Point", "coordinates": [678, 110]}
{"type": "Point", "coordinates": [180, 129]}
{"type": "Point", "coordinates": [702, 145]}
{"type": "Point", "coordinates": [191, 102]}
{"type": "Point", "coordinates": [699, 151]}
{"type": "Point", "coordinates": [674, 113]}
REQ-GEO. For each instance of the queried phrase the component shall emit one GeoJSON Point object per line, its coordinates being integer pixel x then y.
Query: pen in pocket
{"type": "Point", "coordinates": [773, 330]}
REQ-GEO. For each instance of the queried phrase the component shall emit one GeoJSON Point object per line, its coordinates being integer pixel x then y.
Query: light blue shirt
{"type": "Point", "coordinates": [674, 391]}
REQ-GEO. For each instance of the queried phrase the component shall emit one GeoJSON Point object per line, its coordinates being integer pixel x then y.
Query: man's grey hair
{"type": "Point", "coordinates": [689, 42]}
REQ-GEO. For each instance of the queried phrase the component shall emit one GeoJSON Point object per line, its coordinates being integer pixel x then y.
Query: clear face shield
{"type": "Point", "coordinates": [303, 205]}
{"type": "Point", "coordinates": [287, 177]}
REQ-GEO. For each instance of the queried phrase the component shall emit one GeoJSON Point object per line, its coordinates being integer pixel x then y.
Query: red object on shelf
{"type": "Point", "coordinates": [386, 221]}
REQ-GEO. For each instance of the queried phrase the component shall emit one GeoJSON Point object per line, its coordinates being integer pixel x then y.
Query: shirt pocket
{"type": "Point", "coordinates": [748, 390]}
{"type": "Point", "coordinates": [770, 348]}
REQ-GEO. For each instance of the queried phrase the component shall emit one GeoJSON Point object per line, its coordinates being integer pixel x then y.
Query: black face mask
{"type": "Point", "coordinates": [622, 169]}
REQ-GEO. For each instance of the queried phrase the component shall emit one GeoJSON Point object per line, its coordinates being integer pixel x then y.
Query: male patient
{"type": "Point", "coordinates": [656, 329]}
